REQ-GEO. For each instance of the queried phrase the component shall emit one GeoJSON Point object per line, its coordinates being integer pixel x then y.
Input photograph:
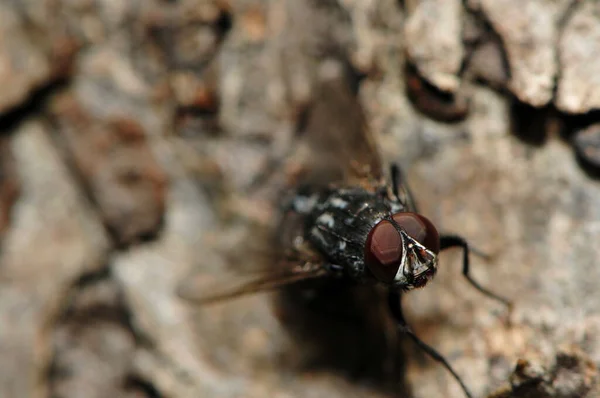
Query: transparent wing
{"type": "Point", "coordinates": [336, 129]}
{"type": "Point", "coordinates": [271, 264]}
{"type": "Point", "coordinates": [205, 289]}
{"type": "Point", "coordinates": [336, 147]}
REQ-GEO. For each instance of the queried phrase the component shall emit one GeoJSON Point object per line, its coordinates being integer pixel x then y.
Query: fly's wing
{"type": "Point", "coordinates": [337, 148]}
{"type": "Point", "coordinates": [336, 130]}
{"type": "Point", "coordinates": [202, 289]}
{"type": "Point", "coordinates": [290, 260]}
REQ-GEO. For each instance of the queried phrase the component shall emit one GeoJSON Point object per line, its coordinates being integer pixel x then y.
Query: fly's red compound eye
{"type": "Point", "coordinates": [383, 251]}
{"type": "Point", "coordinates": [420, 229]}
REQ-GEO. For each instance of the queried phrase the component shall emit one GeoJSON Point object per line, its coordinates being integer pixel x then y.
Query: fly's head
{"type": "Point", "coordinates": [402, 251]}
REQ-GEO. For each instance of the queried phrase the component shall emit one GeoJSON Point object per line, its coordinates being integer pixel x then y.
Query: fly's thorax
{"type": "Point", "coordinates": [339, 225]}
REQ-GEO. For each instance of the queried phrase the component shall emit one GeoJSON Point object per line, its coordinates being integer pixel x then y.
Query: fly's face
{"type": "Point", "coordinates": [402, 251]}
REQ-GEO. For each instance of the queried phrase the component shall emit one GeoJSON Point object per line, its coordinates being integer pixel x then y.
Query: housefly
{"type": "Point", "coordinates": [356, 224]}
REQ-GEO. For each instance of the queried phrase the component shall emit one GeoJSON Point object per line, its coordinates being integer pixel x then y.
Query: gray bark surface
{"type": "Point", "coordinates": [146, 144]}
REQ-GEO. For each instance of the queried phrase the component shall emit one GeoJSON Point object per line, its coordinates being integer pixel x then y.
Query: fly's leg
{"type": "Point", "coordinates": [449, 241]}
{"type": "Point", "coordinates": [396, 179]}
{"type": "Point", "coordinates": [398, 185]}
{"type": "Point", "coordinates": [395, 305]}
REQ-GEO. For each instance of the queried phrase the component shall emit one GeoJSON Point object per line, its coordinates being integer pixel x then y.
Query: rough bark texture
{"type": "Point", "coordinates": [142, 143]}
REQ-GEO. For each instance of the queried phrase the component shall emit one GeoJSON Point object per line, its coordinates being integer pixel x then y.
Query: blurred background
{"type": "Point", "coordinates": [143, 143]}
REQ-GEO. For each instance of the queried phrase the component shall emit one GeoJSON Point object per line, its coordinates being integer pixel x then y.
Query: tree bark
{"type": "Point", "coordinates": [145, 144]}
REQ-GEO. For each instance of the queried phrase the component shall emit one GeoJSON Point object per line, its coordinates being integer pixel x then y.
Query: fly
{"type": "Point", "coordinates": [362, 227]}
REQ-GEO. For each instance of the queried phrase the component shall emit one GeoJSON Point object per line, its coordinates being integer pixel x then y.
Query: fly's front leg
{"type": "Point", "coordinates": [400, 187]}
{"type": "Point", "coordinates": [396, 175]}
{"type": "Point", "coordinates": [449, 241]}
{"type": "Point", "coordinates": [395, 305]}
